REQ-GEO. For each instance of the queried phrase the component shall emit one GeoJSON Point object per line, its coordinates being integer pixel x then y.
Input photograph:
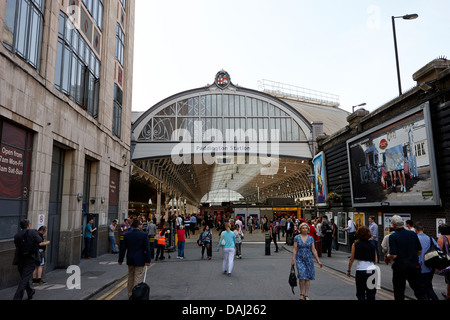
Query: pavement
{"type": "Point", "coordinates": [100, 273]}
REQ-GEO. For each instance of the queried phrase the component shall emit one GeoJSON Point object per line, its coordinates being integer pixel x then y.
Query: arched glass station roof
{"type": "Point", "coordinates": [224, 137]}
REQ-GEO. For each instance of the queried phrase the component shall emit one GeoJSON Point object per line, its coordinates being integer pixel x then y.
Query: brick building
{"type": "Point", "coordinates": [65, 122]}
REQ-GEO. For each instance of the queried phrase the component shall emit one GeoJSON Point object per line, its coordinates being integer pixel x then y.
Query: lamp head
{"type": "Point", "coordinates": [410, 16]}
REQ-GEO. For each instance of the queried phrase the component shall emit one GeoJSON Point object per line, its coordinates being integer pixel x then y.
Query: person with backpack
{"type": "Point", "coordinates": [327, 233]}
{"type": "Point", "coordinates": [26, 257]}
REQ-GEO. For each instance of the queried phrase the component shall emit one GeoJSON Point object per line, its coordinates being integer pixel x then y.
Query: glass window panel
{"type": "Point", "coordinates": [254, 108]}
{"type": "Point", "coordinates": [226, 111]}
{"type": "Point", "coordinates": [214, 105]}
{"type": "Point", "coordinates": [202, 107]}
{"type": "Point", "coordinates": [10, 20]}
{"type": "Point", "coordinates": [208, 111]}
{"type": "Point", "coordinates": [265, 109]}
{"type": "Point", "coordinates": [74, 78]}
{"type": "Point", "coordinates": [169, 111]}
{"type": "Point", "coordinates": [260, 106]}
{"type": "Point", "coordinates": [67, 58]}
{"type": "Point", "coordinates": [80, 84]}
{"type": "Point", "coordinates": [163, 128]}
{"type": "Point", "coordinates": [219, 105]}
{"type": "Point", "coordinates": [248, 106]}
{"type": "Point", "coordinates": [242, 106]}
{"type": "Point", "coordinates": [59, 61]}
{"type": "Point", "coordinates": [289, 129]}
{"type": "Point", "coordinates": [295, 131]}
{"type": "Point", "coordinates": [183, 108]}
{"type": "Point", "coordinates": [231, 111]}
{"type": "Point", "coordinates": [34, 38]}
{"type": "Point", "coordinates": [22, 29]}
{"type": "Point", "coordinates": [100, 16]}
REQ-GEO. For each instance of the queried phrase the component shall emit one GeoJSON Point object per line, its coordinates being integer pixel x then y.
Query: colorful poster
{"type": "Point", "coordinates": [393, 164]}
{"type": "Point", "coordinates": [320, 185]}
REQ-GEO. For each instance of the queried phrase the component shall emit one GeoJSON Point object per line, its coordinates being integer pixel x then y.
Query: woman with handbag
{"type": "Point", "coordinates": [444, 244]}
{"type": "Point", "coordinates": [205, 240]}
{"type": "Point", "coordinates": [302, 256]}
{"type": "Point", "coordinates": [228, 242]}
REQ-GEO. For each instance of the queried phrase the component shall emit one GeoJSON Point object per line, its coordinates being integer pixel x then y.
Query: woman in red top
{"type": "Point", "coordinates": [181, 241]}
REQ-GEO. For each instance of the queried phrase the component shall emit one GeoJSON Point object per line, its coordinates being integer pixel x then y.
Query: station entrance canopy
{"type": "Point", "coordinates": [221, 137]}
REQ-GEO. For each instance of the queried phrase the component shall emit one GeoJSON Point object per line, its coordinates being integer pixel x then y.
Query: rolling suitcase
{"type": "Point", "coordinates": [142, 290]}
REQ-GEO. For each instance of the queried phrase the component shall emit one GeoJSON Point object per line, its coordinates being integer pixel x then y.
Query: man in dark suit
{"type": "Point", "coordinates": [137, 248]}
{"type": "Point", "coordinates": [289, 232]}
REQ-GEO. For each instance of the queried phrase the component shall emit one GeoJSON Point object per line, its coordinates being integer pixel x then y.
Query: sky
{"type": "Point", "coordinates": [343, 47]}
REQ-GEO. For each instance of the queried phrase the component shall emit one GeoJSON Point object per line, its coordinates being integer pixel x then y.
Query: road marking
{"type": "Point", "coordinates": [118, 288]}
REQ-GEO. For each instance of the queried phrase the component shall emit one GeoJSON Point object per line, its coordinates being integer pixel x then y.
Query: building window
{"type": "Point", "coordinates": [16, 145]}
{"type": "Point", "coordinates": [77, 68]}
{"type": "Point", "coordinates": [124, 4]}
{"type": "Point", "coordinates": [95, 8]}
{"type": "Point", "coordinates": [117, 116]}
{"type": "Point", "coordinates": [120, 44]}
{"type": "Point", "coordinates": [23, 29]}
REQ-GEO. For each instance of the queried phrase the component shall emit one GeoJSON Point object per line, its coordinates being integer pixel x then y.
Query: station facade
{"type": "Point", "coordinates": [226, 139]}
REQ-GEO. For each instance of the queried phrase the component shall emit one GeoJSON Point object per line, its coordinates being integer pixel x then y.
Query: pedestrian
{"type": "Point", "coordinates": [161, 245]}
{"type": "Point", "coordinates": [444, 244]}
{"type": "Point", "coordinates": [123, 230]}
{"type": "Point", "coordinates": [37, 274]}
{"type": "Point", "coordinates": [228, 242]}
{"type": "Point", "coordinates": [409, 225]}
{"type": "Point", "coordinates": [404, 250]}
{"type": "Point", "coordinates": [206, 240]}
{"type": "Point", "coordinates": [151, 232]}
{"type": "Point", "coordinates": [289, 232]}
{"type": "Point", "coordinates": [334, 236]}
{"type": "Point", "coordinates": [426, 272]}
{"type": "Point", "coordinates": [273, 234]}
{"type": "Point", "coordinates": [239, 223]}
{"type": "Point", "coordinates": [137, 250]}
{"type": "Point", "coordinates": [327, 236]}
{"type": "Point", "coordinates": [373, 227]}
{"type": "Point", "coordinates": [181, 241]}
{"type": "Point", "coordinates": [26, 257]}
{"type": "Point", "coordinates": [283, 226]}
{"type": "Point", "coordinates": [88, 236]}
{"type": "Point", "coordinates": [351, 229]}
{"type": "Point", "coordinates": [238, 234]}
{"type": "Point", "coordinates": [302, 256]}
{"type": "Point", "coordinates": [193, 224]}
{"type": "Point", "coordinates": [187, 226]}
{"type": "Point", "coordinates": [364, 252]}
{"type": "Point", "coordinates": [112, 229]}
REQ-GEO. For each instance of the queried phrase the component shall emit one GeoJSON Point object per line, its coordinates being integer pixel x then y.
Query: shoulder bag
{"type": "Point", "coordinates": [435, 257]}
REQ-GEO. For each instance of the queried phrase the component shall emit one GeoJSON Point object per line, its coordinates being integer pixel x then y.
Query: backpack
{"type": "Point", "coordinates": [326, 228]}
{"type": "Point", "coordinates": [27, 245]}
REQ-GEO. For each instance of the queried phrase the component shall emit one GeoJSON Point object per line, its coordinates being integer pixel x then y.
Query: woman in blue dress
{"type": "Point", "coordinates": [302, 256]}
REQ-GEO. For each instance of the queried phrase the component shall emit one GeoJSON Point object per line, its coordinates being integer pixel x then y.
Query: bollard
{"type": "Point", "coordinates": [268, 240]}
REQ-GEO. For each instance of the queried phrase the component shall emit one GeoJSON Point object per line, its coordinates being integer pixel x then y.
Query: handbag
{"type": "Point", "coordinates": [436, 258]}
{"type": "Point", "coordinates": [446, 270]}
{"type": "Point", "coordinates": [292, 279]}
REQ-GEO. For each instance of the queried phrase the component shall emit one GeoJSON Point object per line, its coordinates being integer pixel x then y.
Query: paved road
{"type": "Point", "coordinates": [255, 277]}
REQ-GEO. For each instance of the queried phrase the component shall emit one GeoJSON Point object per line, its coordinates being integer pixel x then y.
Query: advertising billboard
{"type": "Point", "coordinates": [320, 182]}
{"type": "Point", "coordinates": [393, 164]}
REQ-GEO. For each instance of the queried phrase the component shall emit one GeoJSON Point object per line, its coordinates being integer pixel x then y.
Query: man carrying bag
{"type": "Point", "coordinates": [136, 246]}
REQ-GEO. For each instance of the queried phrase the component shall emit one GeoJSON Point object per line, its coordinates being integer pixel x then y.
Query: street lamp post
{"type": "Point", "coordinates": [405, 17]}
{"type": "Point", "coordinates": [359, 105]}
